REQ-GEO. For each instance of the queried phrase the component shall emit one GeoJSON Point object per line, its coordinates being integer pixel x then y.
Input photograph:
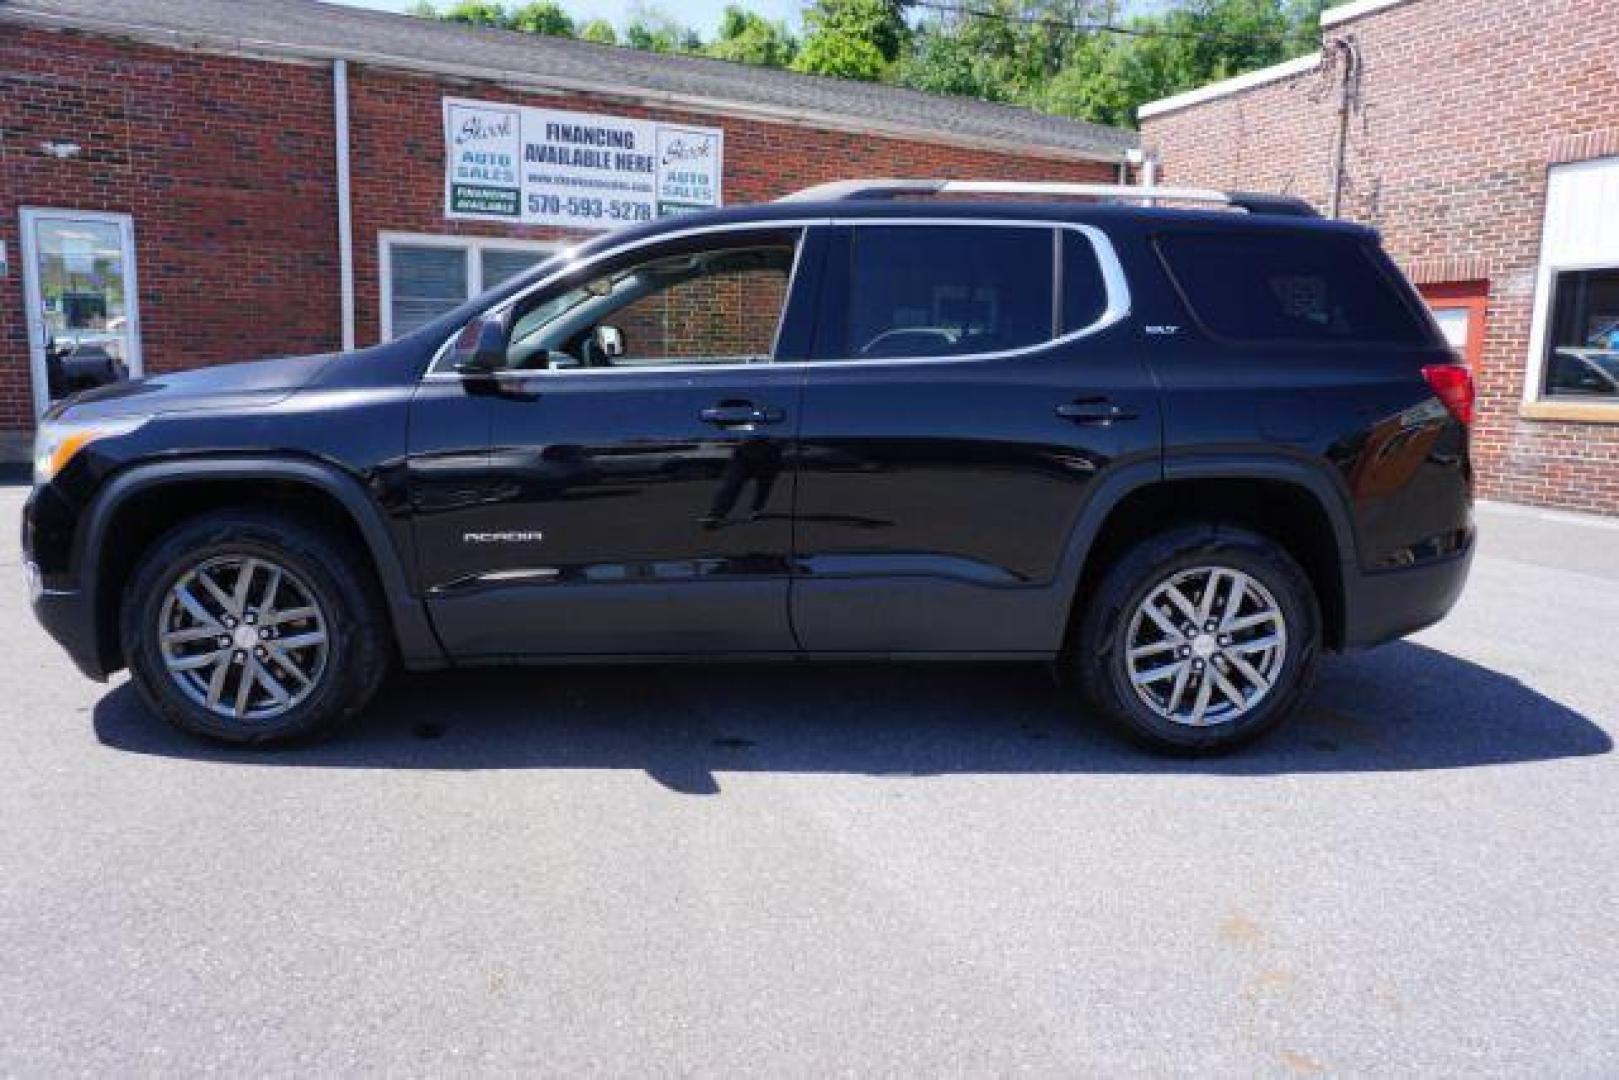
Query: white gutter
{"type": "Point", "coordinates": [345, 215]}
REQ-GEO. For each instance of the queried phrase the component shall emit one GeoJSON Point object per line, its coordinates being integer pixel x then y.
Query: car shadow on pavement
{"type": "Point", "coordinates": [1401, 707]}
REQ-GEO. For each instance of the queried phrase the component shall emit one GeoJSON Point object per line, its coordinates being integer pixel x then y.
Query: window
{"type": "Point", "coordinates": [1574, 351]}
{"type": "Point", "coordinates": [425, 276]}
{"type": "Point", "coordinates": [1084, 293]}
{"type": "Point", "coordinates": [1290, 287]}
{"type": "Point", "coordinates": [427, 282]}
{"type": "Point", "coordinates": [1583, 342]}
{"type": "Point", "coordinates": [687, 303]}
{"type": "Point", "coordinates": [1460, 309]}
{"type": "Point", "coordinates": [917, 291]}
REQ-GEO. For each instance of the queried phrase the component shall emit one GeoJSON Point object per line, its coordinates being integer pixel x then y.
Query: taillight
{"type": "Point", "coordinates": [1452, 384]}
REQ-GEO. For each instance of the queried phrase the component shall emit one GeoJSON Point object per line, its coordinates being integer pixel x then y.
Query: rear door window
{"type": "Point", "coordinates": [921, 291]}
{"type": "Point", "coordinates": [1314, 287]}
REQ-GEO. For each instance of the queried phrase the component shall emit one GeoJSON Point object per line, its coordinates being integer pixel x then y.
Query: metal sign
{"type": "Point", "coordinates": [574, 170]}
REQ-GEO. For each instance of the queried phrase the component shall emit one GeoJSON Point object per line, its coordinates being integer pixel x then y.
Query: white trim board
{"type": "Point", "coordinates": [1344, 12]}
{"type": "Point", "coordinates": [1297, 66]}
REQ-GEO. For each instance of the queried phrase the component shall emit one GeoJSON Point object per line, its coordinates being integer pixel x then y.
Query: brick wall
{"type": "Point", "coordinates": [1464, 104]}
{"type": "Point", "coordinates": [228, 168]}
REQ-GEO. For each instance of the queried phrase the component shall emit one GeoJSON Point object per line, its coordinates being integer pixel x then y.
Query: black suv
{"type": "Point", "coordinates": [1178, 452]}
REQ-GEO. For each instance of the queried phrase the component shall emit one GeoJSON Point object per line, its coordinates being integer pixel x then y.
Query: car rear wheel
{"type": "Point", "coordinates": [248, 629]}
{"type": "Point", "coordinates": [1199, 639]}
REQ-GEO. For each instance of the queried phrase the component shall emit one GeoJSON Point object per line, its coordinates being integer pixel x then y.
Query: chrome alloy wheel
{"type": "Point", "coordinates": [243, 637]}
{"type": "Point", "coordinates": [1206, 646]}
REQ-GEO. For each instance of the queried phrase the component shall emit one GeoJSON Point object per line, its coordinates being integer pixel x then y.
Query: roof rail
{"type": "Point", "coordinates": [1145, 194]}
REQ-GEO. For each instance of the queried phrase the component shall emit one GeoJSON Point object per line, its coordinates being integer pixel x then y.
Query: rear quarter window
{"type": "Point", "coordinates": [1309, 288]}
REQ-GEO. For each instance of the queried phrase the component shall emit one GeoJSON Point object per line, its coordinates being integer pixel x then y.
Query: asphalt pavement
{"type": "Point", "coordinates": [797, 871]}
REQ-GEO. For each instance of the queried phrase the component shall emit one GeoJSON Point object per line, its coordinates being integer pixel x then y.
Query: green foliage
{"type": "Point", "coordinates": [422, 9]}
{"type": "Point", "coordinates": [1079, 58]}
{"type": "Point", "coordinates": [542, 17]}
{"type": "Point", "coordinates": [600, 31]}
{"type": "Point", "coordinates": [853, 39]}
{"type": "Point", "coordinates": [475, 13]}
{"type": "Point", "coordinates": [749, 38]}
{"type": "Point", "coordinates": [655, 30]}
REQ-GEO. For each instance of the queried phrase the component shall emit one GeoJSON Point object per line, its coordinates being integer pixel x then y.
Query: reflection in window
{"type": "Point", "coordinates": [1303, 287]}
{"type": "Point", "coordinates": [1583, 358]}
{"type": "Point", "coordinates": [81, 285]}
{"type": "Point", "coordinates": [919, 291]}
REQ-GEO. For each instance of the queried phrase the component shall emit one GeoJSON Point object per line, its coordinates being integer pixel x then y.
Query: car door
{"type": "Point", "coordinates": [633, 495]}
{"type": "Point", "coordinates": [973, 382]}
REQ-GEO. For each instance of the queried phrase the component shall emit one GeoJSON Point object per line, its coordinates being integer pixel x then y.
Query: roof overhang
{"type": "Point", "coordinates": [528, 82]}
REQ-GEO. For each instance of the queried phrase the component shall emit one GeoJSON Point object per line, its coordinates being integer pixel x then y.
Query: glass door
{"type": "Point", "coordinates": [79, 287]}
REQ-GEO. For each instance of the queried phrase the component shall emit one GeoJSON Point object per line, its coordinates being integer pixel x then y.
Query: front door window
{"type": "Point", "coordinates": [83, 325]}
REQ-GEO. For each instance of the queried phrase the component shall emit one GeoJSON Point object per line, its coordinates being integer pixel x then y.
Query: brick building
{"type": "Point", "coordinates": [173, 172]}
{"type": "Point", "coordinates": [1482, 138]}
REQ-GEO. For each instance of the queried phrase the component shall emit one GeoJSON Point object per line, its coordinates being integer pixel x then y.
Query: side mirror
{"type": "Point", "coordinates": [610, 340]}
{"type": "Point", "coordinates": [480, 349]}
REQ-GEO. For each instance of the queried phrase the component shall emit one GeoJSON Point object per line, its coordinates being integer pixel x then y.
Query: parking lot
{"type": "Point", "coordinates": [802, 870]}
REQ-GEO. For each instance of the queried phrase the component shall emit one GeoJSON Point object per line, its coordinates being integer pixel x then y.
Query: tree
{"type": "Point", "coordinates": [749, 38]}
{"type": "Point", "coordinates": [853, 39]}
{"type": "Point", "coordinates": [542, 17]}
{"type": "Point", "coordinates": [600, 31]}
{"type": "Point", "coordinates": [422, 9]}
{"type": "Point", "coordinates": [475, 13]}
{"type": "Point", "coordinates": [655, 30]}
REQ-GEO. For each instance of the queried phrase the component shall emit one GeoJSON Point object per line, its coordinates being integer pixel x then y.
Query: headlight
{"type": "Point", "coordinates": [59, 440]}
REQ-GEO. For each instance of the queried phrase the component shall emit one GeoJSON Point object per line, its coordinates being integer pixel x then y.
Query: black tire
{"type": "Point", "coordinates": [359, 650]}
{"type": "Point", "coordinates": [1098, 655]}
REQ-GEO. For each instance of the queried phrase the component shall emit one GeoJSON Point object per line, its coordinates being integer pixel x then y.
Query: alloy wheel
{"type": "Point", "coordinates": [243, 637]}
{"type": "Point", "coordinates": [1206, 646]}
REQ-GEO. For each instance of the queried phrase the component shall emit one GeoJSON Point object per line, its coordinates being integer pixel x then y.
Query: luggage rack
{"type": "Point", "coordinates": [1142, 194]}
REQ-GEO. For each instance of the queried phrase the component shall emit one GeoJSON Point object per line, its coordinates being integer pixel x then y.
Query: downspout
{"type": "Point", "coordinates": [1348, 101]}
{"type": "Point", "coordinates": [1145, 164]}
{"type": "Point", "coordinates": [345, 217]}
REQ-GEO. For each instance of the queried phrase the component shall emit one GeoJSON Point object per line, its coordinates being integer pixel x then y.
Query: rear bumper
{"type": "Point", "coordinates": [1388, 604]}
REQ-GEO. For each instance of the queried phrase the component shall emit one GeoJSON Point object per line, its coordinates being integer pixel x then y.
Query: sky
{"type": "Point", "coordinates": [702, 14]}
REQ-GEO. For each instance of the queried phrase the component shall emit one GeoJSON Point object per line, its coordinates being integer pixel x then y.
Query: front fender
{"type": "Point", "coordinates": [418, 645]}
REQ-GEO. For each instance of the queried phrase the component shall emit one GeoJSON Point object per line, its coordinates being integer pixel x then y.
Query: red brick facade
{"type": "Point", "coordinates": [1463, 107]}
{"type": "Point", "coordinates": [227, 165]}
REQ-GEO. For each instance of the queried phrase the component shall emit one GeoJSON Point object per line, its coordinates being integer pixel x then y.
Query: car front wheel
{"type": "Point", "coordinates": [1200, 639]}
{"type": "Point", "coordinates": [250, 629]}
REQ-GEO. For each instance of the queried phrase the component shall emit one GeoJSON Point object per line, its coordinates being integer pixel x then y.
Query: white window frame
{"type": "Point", "coordinates": [28, 218]}
{"type": "Point", "coordinates": [471, 248]}
{"type": "Point", "coordinates": [1535, 398]}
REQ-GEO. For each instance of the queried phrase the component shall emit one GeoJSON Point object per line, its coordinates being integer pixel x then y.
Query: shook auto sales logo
{"type": "Point", "coordinates": [484, 146]}
{"type": "Point", "coordinates": [482, 127]}
{"type": "Point", "coordinates": [684, 149]}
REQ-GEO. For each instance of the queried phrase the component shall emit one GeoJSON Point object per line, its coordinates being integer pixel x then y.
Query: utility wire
{"type": "Point", "coordinates": [1051, 23]}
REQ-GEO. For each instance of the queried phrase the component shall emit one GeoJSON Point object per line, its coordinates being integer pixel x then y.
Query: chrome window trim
{"type": "Point", "coordinates": [1113, 281]}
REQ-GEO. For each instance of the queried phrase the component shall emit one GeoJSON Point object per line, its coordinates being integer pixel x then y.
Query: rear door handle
{"type": "Point", "coordinates": [1095, 410]}
{"type": "Point", "coordinates": [740, 414]}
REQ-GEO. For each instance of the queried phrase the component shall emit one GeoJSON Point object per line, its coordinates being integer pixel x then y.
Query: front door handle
{"type": "Point", "coordinates": [1095, 410]}
{"type": "Point", "coordinates": [740, 414]}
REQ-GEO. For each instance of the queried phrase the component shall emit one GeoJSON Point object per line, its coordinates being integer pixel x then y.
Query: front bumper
{"type": "Point", "coordinates": [1383, 605]}
{"type": "Point", "coordinates": [69, 617]}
